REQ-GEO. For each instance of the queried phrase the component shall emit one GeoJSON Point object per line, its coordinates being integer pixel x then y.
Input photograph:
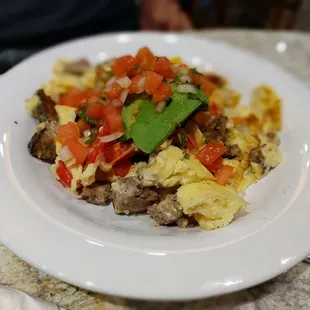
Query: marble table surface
{"type": "Point", "coordinates": [288, 291]}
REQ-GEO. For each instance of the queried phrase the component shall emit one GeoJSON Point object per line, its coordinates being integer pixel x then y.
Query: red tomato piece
{"type": "Point", "coordinates": [191, 141]}
{"type": "Point", "coordinates": [201, 118]}
{"type": "Point", "coordinates": [112, 117]}
{"type": "Point", "coordinates": [122, 168]}
{"type": "Point", "coordinates": [96, 149]}
{"type": "Point", "coordinates": [145, 59]}
{"type": "Point", "coordinates": [115, 91]}
{"type": "Point", "coordinates": [76, 98]}
{"type": "Point", "coordinates": [133, 86]}
{"type": "Point", "coordinates": [211, 152]}
{"type": "Point", "coordinates": [119, 151]}
{"type": "Point", "coordinates": [94, 110]}
{"type": "Point", "coordinates": [215, 110]}
{"type": "Point", "coordinates": [64, 174]}
{"type": "Point", "coordinates": [198, 79]}
{"type": "Point", "coordinates": [163, 92]}
{"type": "Point", "coordinates": [163, 67]}
{"type": "Point", "coordinates": [82, 125]}
{"type": "Point", "coordinates": [216, 165]}
{"type": "Point", "coordinates": [123, 64]}
{"type": "Point", "coordinates": [78, 150]}
{"type": "Point", "coordinates": [224, 175]}
{"type": "Point", "coordinates": [208, 87]}
{"type": "Point", "coordinates": [67, 131]}
{"type": "Point", "coordinates": [152, 82]}
{"type": "Point", "coordinates": [142, 53]}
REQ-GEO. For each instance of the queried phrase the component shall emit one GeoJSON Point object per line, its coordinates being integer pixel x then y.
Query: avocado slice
{"type": "Point", "coordinates": [148, 128]}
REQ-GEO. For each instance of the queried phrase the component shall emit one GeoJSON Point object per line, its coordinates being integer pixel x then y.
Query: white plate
{"type": "Point", "coordinates": [93, 248]}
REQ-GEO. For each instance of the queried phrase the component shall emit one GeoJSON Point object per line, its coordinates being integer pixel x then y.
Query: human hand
{"type": "Point", "coordinates": [163, 15]}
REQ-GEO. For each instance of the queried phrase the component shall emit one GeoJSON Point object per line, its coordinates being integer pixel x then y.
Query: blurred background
{"type": "Point", "coordinates": [27, 26]}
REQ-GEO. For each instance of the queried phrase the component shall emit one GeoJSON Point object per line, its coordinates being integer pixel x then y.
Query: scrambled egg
{"type": "Point", "coordinates": [171, 167]}
{"type": "Point", "coordinates": [212, 205]}
{"type": "Point", "coordinates": [32, 103]}
{"type": "Point", "coordinates": [65, 114]}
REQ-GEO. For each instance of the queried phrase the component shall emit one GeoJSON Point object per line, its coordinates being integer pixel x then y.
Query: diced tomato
{"type": "Point", "coordinates": [208, 87]}
{"type": "Point", "coordinates": [122, 168]}
{"type": "Point", "coordinates": [112, 117]}
{"type": "Point", "coordinates": [123, 64]}
{"type": "Point", "coordinates": [211, 152]}
{"type": "Point", "coordinates": [215, 109]}
{"type": "Point", "coordinates": [238, 121]}
{"type": "Point", "coordinates": [119, 151]}
{"type": "Point", "coordinates": [152, 82]}
{"type": "Point", "coordinates": [198, 79]}
{"type": "Point", "coordinates": [191, 141]}
{"type": "Point", "coordinates": [145, 59]}
{"type": "Point", "coordinates": [82, 125]}
{"type": "Point", "coordinates": [78, 150]}
{"type": "Point", "coordinates": [201, 118]}
{"type": "Point", "coordinates": [76, 98]}
{"type": "Point", "coordinates": [115, 91]}
{"type": "Point", "coordinates": [163, 92]}
{"type": "Point", "coordinates": [216, 165]}
{"type": "Point", "coordinates": [64, 174]}
{"type": "Point", "coordinates": [94, 110]}
{"type": "Point", "coordinates": [67, 131]}
{"type": "Point", "coordinates": [224, 175]}
{"type": "Point", "coordinates": [96, 149]}
{"type": "Point", "coordinates": [133, 86]}
{"type": "Point", "coordinates": [163, 67]}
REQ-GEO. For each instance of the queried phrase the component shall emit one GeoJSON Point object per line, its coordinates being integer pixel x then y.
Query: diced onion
{"type": "Point", "coordinates": [187, 88]}
{"type": "Point", "coordinates": [71, 162]}
{"type": "Point", "coordinates": [160, 106]}
{"type": "Point", "coordinates": [111, 137]}
{"type": "Point", "coordinates": [86, 133]}
{"type": "Point", "coordinates": [79, 85]}
{"type": "Point", "coordinates": [65, 154]}
{"type": "Point", "coordinates": [116, 103]}
{"type": "Point", "coordinates": [111, 81]}
{"type": "Point", "coordinates": [185, 78]}
{"type": "Point", "coordinates": [123, 95]}
{"type": "Point", "coordinates": [124, 82]}
{"type": "Point", "coordinates": [183, 70]}
{"type": "Point", "coordinates": [170, 80]}
{"type": "Point", "coordinates": [140, 85]}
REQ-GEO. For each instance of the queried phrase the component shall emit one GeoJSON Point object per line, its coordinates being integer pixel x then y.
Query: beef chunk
{"type": "Point", "coordinates": [130, 196]}
{"type": "Point", "coordinates": [166, 212]}
{"type": "Point", "coordinates": [186, 222]}
{"type": "Point", "coordinates": [232, 151]}
{"type": "Point", "coordinates": [77, 67]}
{"type": "Point", "coordinates": [215, 129]}
{"type": "Point", "coordinates": [42, 144]}
{"type": "Point", "coordinates": [256, 156]}
{"type": "Point", "coordinates": [46, 109]}
{"type": "Point", "coordinates": [99, 193]}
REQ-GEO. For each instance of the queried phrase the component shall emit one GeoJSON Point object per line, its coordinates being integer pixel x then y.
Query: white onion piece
{"type": "Point", "coordinates": [111, 81]}
{"type": "Point", "coordinates": [183, 70]}
{"type": "Point", "coordinates": [86, 133]}
{"type": "Point", "coordinates": [160, 106]}
{"type": "Point", "coordinates": [170, 80]}
{"type": "Point", "coordinates": [111, 137]}
{"type": "Point", "coordinates": [124, 82]}
{"type": "Point", "coordinates": [123, 95]}
{"type": "Point", "coordinates": [187, 88]}
{"type": "Point", "coordinates": [71, 162]}
{"type": "Point", "coordinates": [185, 78]}
{"type": "Point", "coordinates": [140, 85]}
{"type": "Point", "coordinates": [116, 102]}
{"type": "Point", "coordinates": [65, 154]}
{"type": "Point", "coordinates": [79, 85]}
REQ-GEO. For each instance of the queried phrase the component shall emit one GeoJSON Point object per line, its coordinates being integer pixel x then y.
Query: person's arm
{"type": "Point", "coordinates": [163, 15]}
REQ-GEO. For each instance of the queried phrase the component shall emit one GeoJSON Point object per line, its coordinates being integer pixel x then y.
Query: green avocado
{"type": "Point", "coordinates": [148, 128]}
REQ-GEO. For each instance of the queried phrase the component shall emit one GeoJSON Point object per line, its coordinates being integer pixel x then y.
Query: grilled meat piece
{"type": "Point", "coordinates": [186, 222]}
{"type": "Point", "coordinates": [98, 193]}
{"type": "Point", "coordinates": [46, 109]}
{"type": "Point", "coordinates": [232, 151]}
{"type": "Point", "coordinates": [130, 196]}
{"type": "Point", "coordinates": [256, 156]}
{"type": "Point", "coordinates": [42, 144]}
{"type": "Point", "coordinates": [77, 67]}
{"type": "Point", "coordinates": [165, 212]}
{"type": "Point", "coordinates": [215, 129]}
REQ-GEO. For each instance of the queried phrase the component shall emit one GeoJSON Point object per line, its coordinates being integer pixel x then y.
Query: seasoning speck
{"type": "Point", "coordinates": [16, 122]}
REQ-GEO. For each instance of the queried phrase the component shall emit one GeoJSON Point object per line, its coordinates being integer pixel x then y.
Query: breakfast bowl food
{"type": "Point", "coordinates": [155, 136]}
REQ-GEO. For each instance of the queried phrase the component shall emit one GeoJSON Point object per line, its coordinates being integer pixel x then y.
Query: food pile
{"type": "Point", "coordinates": [150, 134]}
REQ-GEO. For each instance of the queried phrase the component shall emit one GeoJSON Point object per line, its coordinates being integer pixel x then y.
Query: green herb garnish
{"type": "Point", "coordinates": [87, 119]}
{"type": "Point", "coordinates": [194, 70]}
{"type": "Point", "coordinates": [182, 140]}
{"type": "Point", "coordinates": [186, 156]}
{"type": "Point", "coordinates": [91, 139]}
